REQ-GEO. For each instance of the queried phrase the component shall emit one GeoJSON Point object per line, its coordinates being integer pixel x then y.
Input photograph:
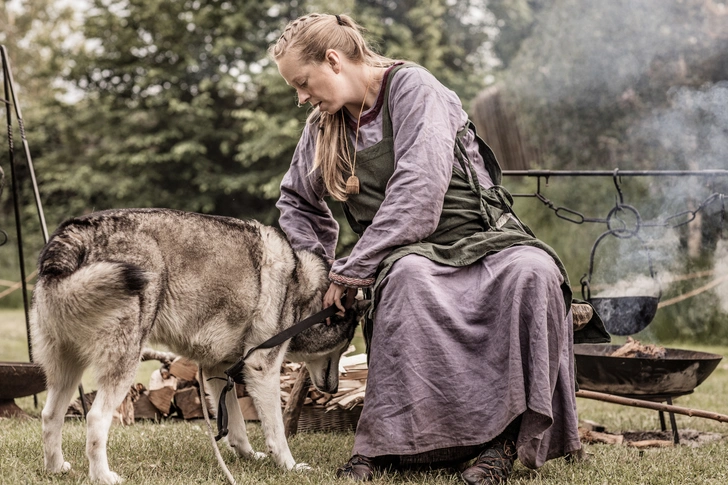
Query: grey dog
{"type": "Point", "coordinates": [209, 288]}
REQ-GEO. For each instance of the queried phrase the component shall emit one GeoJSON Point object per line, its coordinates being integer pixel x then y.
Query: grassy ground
{"type": "Point", "coordinates": [173, 451]}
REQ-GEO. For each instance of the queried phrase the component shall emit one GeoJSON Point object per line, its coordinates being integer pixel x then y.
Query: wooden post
{"type": "Point", "coordinates": [292, 411]}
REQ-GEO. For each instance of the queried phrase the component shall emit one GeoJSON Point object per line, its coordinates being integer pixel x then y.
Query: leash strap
{"type": "Point", "coordinates": [234, 373]}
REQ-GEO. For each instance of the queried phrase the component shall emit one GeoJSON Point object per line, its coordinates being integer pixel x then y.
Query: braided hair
{"type": "Point", "coordinates": [309, 37]}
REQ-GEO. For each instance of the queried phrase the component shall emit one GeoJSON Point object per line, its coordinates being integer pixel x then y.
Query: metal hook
{"type": "Point", "coordinates": [617, 178]}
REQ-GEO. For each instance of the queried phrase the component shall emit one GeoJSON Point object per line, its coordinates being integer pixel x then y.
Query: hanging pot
{"type": "Point", "coordinates": [622, 315]}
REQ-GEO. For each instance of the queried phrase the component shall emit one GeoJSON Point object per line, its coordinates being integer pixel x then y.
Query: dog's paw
{"type": "Point", "coordinates": [301, 467]}
{"type": "Point", "coordinates": [66, 467]}
{"type": "Point", "coordinates": [109, 478]}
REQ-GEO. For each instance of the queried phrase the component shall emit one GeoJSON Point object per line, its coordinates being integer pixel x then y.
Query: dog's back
{"type": "Point", "coordinates": [188, 274]}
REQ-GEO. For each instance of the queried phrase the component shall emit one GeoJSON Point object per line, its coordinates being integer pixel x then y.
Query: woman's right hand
{"type": "Point", "coordinates": [333, 297]}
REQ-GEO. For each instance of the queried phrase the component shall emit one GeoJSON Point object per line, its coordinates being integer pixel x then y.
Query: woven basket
{"type": "Point", "coordinates": [317, 419]}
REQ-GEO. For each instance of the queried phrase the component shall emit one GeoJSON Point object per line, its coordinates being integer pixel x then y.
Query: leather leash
{"type": "Point", "coordinates": [234, 373]}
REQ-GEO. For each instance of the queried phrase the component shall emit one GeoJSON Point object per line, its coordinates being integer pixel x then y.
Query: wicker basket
{"type": "Point", "coordinates": [317, 419]}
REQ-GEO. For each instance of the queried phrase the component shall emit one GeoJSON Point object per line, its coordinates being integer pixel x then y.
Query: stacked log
{"type": "Point", "coordinates": [173, 391]}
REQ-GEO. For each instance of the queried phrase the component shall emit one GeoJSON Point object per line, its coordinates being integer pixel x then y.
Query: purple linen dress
{"type": "Point", "coordinates": [457, 352]}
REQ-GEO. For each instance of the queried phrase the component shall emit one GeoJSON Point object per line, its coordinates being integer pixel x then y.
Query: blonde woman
{"type": "Point", "coordinates": [469, 342]}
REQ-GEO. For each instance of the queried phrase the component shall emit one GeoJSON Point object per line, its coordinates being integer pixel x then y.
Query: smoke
{"type": "Point", "coordinates": [636, 84]}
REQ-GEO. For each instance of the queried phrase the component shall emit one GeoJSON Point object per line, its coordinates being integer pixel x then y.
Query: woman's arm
{"type": "Point", "coordinates": [305, 217]}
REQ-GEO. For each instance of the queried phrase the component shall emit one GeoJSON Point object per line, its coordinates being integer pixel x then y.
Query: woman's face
{"type": "Point", "coordinates": [319, 84]}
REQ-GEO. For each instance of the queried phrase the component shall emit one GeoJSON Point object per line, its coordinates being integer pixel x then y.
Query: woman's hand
{"type": "Point", "coordinates": [333, 297]}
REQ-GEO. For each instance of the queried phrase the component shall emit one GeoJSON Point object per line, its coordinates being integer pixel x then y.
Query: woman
{"type": "Point", "coordinates": [469, 341]}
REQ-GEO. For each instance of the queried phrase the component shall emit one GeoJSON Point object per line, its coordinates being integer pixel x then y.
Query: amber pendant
{"type": "Point", "coordinates": [352, 185]}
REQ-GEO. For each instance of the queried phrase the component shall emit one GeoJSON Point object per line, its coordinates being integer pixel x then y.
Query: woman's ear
{"type": "Point", "coordinates": [334, 60]}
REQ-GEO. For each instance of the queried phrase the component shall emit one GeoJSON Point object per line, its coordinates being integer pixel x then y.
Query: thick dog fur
{"type": "Point", "coordinates": [209, 288]}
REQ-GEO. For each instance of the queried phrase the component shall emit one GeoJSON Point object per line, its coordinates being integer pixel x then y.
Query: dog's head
{"type": "Point", "coordinates": [322, 345]}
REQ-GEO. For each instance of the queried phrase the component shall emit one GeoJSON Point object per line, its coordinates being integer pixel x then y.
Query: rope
{"type": "Point", "coordinates": [684, 296]}
{"type": "Point", "coordinates": [16, 286]}
{"type": "Point", "coordinates": [210, 433]}
{"type": "Point", "coordinates": [693, 293]}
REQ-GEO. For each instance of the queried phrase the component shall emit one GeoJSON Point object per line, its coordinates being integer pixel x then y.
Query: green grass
{"type": "Point", "coordinates": [175, 451]}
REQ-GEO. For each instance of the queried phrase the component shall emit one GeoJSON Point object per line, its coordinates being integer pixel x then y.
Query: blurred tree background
{"type": "Point", "coordinates": [161, 103]}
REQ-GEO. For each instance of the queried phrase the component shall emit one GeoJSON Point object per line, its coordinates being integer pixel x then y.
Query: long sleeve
{"type": "Point", "coordinates": [305, 217]}
{"type": "Point", "coordinates": [425, 119]}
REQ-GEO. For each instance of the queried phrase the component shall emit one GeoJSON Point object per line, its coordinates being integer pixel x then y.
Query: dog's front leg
{"type": "Point", "coordinates": [237, 437]}
{"type": "Point", "coordinates": [263, 383]}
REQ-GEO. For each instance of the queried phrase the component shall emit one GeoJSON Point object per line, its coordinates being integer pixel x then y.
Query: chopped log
{"type": "Point", "coordinates": [248, 408]}
{"type": "Point", "coordinates": [634, 348]}
{"type": "Point", "coordinates": [591, 437]}
{"type": "Point", "coordinates": [650, 444]}
{"type": "Point", "coordinates": [124, 414]}
{"type": "Point", "coordinates": [292, 411]}
{"type": "Point", "coordinates": [183, 369]}
{"type": "Point", "coordinates": [144, 409]}
{"type": "Point", "coordinates": [161, 391]}
{"type": "Point", "coordinates": [188, 403]}
{"type": "Point", "coordinates": [350, 400]}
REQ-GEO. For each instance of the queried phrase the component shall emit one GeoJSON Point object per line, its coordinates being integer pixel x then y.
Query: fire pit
{"type": "Point", "coordinates": [18, 379]}
{"type": "Point", "coordinates": [647, 378]}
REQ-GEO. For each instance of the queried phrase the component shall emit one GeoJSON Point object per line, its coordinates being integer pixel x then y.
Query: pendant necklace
{"type": "Point", "coordinates": [352, 183]}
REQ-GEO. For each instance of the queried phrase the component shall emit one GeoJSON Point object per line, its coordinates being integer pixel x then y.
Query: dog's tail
{"type": "Point", "coordinates": [73, 292]}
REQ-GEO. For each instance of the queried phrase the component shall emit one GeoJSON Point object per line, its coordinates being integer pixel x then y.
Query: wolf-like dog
{"type": "Point", "coordinates": [207, 287]}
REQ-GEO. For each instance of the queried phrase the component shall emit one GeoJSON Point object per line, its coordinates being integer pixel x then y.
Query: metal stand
{"type": "Point", "coordinates": [8, 99]}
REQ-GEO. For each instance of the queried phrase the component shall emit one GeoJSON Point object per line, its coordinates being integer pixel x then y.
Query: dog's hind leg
{"type": "Point", "coordinates": [116, 363]}
{"type": "Point", "coordinates": [237, 437]}
{"type": "Point", "coordinates": [62, 377]}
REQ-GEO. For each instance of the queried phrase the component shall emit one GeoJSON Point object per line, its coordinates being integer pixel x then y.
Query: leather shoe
{"type": "Point", "coordinates": [494, 464]}
{"type": "Point", "coordinates": [359, 468]}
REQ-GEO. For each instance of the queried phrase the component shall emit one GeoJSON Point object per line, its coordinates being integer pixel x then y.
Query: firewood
{"type": "Point", "coordinates": [650, 444]}
{"type": "Point", "coordinates": [124, 414]}
{"type": "Point", "coordinates": [188, 403]}
{"type": "Point", "coordinates": [161, 391]}
{"type": "Point", "coordinates": [183, 369]}
{"type": "Point", "coordinates": [634, 348]}
{"type": "Point", "coordinates": [144, 409]}
{"type": "Point", "coordinates": [292, 411]}
{"type": "Point", "coordinates": [350, 400]}
{"type": "Point", "coordinates": [248, 408]}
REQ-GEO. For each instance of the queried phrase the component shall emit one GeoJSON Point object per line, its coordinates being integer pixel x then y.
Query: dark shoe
{"type": "Point", "coordinates": [359, 468]}
{"type": "Point", "coordinates": [494, 464]}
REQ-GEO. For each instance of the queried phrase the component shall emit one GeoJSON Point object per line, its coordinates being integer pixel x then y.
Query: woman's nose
{"type": "Point", "coordinates": [303, 97]}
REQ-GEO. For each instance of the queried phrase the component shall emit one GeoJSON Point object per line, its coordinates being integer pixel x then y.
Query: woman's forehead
{"type": "Point", "coordinates": [290, 66]}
